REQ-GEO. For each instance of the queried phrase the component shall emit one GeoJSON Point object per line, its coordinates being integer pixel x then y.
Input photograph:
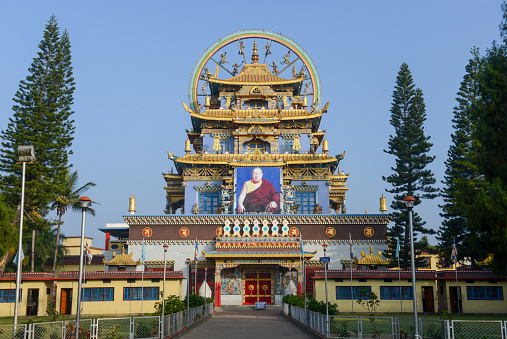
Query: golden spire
{"type": "Point", "coordinates": [132, 204]}
{"type": "Point", "coordinates": [325, 146]}
{"type": "Point", "coordinates": [383, 206]}
{"type": "Point", "coordinates": [207, 101]}
{"type": "Point", "coordinates": [187, 146]}
{"type": "Point", "coordinates": [255, 56]}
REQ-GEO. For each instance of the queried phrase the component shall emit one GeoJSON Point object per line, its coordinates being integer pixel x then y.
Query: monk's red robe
{"type": "Point", "coordinates": [258, 200]}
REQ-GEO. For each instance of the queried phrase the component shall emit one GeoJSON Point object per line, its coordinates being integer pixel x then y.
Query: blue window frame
{"type": "Point", "coordinates": [393, 293]}
{"type": "Point", "coordinates": [484, 293]}
{"type": "Point", "coordinates": [253, 146]}
{"type": "Point", "coordinates": [134, 293]}
{"type": "Point", "coordinates": [98, 294]}
{"type": "Point", "coordinates": [224, 146]}
{"type": "Point", "coordinates": [286, 146]}
{"type": "Point", "coordinates": [305, 202]}
{"type": "Point", "coordinates": [208, 202]}
{"type": "Point", "coordinates": [256, 104]}
{"type": "Point", "coordinates": [343, 292]}
{"type": "Point", "coordinates": [9, 296]}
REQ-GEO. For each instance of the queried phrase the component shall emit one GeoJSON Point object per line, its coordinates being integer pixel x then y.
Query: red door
{"type": "Point", "coordinates": [257, 287]}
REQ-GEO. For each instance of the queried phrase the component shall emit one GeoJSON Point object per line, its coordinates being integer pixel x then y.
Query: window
{"type": "Point", "coordinates": [484, 293]}
{"type": "Point", "coordinates": [256, 104]}
{"type": "Point", "coordinates": [286, 146]}
{"type": "Point", "coordinates": [224, 146]}
{"type": "Point", "coordinates": [98, 294]}
{"type": "Point", "coordinates": [393, 293]}
{"type": "Point", "coordinates": [343, 292]}
{"type": "Point", "coordinates": [208, 202]}
{"type": "Point", "coordinates": [9, 296]}
{"type": "Point", "coordinates": [305, 202]}
{"type": "Point", "coordinates": [134, 293]}
{"type": "Point", "coordinates": [106, 281]}
{"type": "Point", "coordinates": [256, 146]}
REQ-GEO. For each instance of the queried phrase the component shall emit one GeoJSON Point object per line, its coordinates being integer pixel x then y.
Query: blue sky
{"type": "Point", "coordinates": [132, 63]}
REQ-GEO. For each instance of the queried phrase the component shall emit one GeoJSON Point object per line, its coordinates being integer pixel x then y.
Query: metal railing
{"type": "Point", "coordinates": [396, 327]}
{"type": "Point", "coordinates": [110, 328]}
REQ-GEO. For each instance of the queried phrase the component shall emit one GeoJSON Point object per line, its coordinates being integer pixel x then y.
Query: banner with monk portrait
{"type": "Point", "coordinates": [257, 190]}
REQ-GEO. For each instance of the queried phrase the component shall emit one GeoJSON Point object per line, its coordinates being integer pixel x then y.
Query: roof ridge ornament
{"type": "Point", "coordinates": [255, 56]}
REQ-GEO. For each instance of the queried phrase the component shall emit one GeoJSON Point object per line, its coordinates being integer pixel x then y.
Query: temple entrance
{"type": "Point", "coordinates": [257, 287]}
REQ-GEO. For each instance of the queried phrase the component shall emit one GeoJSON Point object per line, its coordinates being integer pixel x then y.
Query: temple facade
{"type": "Point", "coordinates": [256, 192]}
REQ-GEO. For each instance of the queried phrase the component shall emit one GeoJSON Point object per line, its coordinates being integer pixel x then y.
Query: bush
{"type": "Point", "coordinates": [196, 300]}
{"type": "Point", "coordinates": [172, 304]}
{"type": "Point", "coordinates": [311, 304]}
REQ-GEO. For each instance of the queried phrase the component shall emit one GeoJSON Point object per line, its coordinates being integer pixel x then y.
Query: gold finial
{"type": "Point", "coordinates": [305, 101]}
{"type": "Point", "coordinates": [325, 146]}
{"type": "Point", "coordinates": [132, 204]}
{"type": "Point", "coordinates": [207, 101]}
{"type": "Point", "coordinates": [366, 211]}
{"type": "Point", "coordinates": [371, 250]}
{"type": "Point", "coordinates": [216, 144]}
{"type": "Point", "coordinates": [255, 56]}
{"type": "Point", "coordinates": [187, 146]}
{"type": "Point", "coordinates": [297, 145]}
{"type": "Point", "coordinates": [383, 206]}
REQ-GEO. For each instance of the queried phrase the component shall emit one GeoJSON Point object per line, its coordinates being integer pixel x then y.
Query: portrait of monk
{"type": "Point", "coordinates": [258, 195]}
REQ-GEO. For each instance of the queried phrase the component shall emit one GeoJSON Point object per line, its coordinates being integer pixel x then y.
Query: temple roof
{"type": "Point", "coordinates": [256, 74]}
{"type": "Point", "coordinates": [372, 259]}
{"type": "Point", "coordinates": [122, 259]}
{"type": "Point", "coordinates": [274, 115]}
{"type": "Point", "coordinates": [255, 160]}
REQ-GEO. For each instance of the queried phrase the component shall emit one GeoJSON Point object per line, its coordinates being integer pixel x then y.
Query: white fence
{"type": "Point", "coordinates": [110, 328]}
{"type": "Point", "coordinates": [395, 327]}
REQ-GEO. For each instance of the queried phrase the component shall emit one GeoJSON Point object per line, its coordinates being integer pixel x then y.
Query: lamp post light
{"type": "Point", "coordinates": [85, 202]}
{"type": "Point", "coordinates": [189, 284]}
{"type": "Point", "coordinates": [163, 295]}
{"type": "Point", "coordinates": [409, 202]}
{"type": "Point", "coordinates": [325, 284]}
{"type": "Point", "coordinates": [25, 154]}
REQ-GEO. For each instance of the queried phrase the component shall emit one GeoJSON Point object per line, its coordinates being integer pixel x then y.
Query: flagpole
{"type": "Point", "coordinates": [142, 279]}
{"type": "Point", "coordinates": [195, 273]}
{"type": "Point", "coordinates": [351, 288]}
{"type": "Point", "coordinates": [399, 272]}
{"type": "Point", "coordinates": [455, 254]}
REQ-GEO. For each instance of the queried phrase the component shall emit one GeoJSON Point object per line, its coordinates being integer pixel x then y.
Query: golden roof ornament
{"type": "Point", "coordinates": [122, 259]}
{"type": "Point", "coordinates": [325, 146]}
{"type": "Point", "coordinates": [207, 101]}
{"type": "Point", "coordinates": [372, 259]}
{"type": "Point", "coordinates": [187, 146]}
{"type": "Point", "coordinates": [383, 204]}
{"type": "Point", "coordinates": [297, 145]}
{"type": "Point", "coordinates": [132, 204]}
{"type": "Point", "coordinates": [255, 56]}
{"type": "Point", "coordinates": [216, 144]}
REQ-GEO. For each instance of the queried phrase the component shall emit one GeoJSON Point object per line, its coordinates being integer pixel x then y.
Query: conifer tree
{"type": "Point", "coordinates": [454, 225]}
{"type": "Point", "coordinates": [410, 147]}
{"type": "Point", "coordinates": [41, 118]}
{"type": "Point", "coordinates": [484, 199]}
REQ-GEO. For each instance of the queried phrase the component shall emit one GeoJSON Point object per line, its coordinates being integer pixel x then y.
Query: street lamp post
{"type": "Point", "coordinates": [25, 154]}
{"type": "Point", "coordinates": [189, 283]}
{"type": "Point", "coordinates": [325, 284]}
{"type": "Point", "coordinates": [84, 201]}
{"type": "Point", "coordinates": [163, 294]}
{"type": "Point", "coordinates": [409, 202]}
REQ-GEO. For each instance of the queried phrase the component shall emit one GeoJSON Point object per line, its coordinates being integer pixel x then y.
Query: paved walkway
{"type": "Point", "coordinates": [247, 324]}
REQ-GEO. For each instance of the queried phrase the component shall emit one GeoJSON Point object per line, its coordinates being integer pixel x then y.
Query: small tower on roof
{"type": "Point", "coordinates": [132, 205]}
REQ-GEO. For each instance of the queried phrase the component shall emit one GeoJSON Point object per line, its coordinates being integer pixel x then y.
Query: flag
{"type": "Point", "coordinates": [397, 255]}
{"type": "Point", "coordinates": [196, 249]}
{"type": "Point", "coordinates": [351, 247]}
{"type": "Point", "coordinates": [143, 254]}
{"type": "Point", "coordinates": [302, 247]}
{"type": "Point", "coordinates": [454, 253]}
{"type": "Point", "coordinates": [16, 257]}
{"type": "Point", "coordinates": [88, 253]}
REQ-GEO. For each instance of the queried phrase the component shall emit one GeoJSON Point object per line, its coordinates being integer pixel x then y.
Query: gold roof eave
{"type": "Point", "coordinates": [231, 159]}
{"type": "Point", "coordinates": [256, 83]}
{"type": "Point", "coordinates": [261, 114]}
{"type": "Point", "coordinates": [260, 255]}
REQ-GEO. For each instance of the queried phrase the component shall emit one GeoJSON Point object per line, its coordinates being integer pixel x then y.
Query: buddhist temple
{"type": "Point", "coordinates": [254, 191]}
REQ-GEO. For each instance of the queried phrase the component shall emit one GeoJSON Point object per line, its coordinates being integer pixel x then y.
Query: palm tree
{"type": "Point", "coordinates": [69, 197]}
